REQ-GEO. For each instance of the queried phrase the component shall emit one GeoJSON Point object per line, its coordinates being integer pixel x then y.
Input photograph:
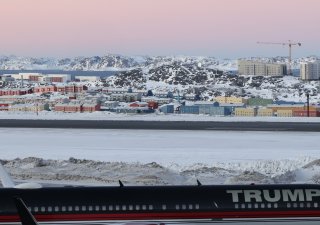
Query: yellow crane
{"type": "Point", "coordinates": [290, 44]}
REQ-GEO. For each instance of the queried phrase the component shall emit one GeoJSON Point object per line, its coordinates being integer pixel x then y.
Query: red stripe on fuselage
{"type": "Point", "coordinates": [167, 215]}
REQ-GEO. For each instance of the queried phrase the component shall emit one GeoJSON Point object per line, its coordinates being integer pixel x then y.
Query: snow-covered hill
{"type": "Point", "coordinates": [116, 62]}
{"type": "Point", "coordinates": [95, 63]}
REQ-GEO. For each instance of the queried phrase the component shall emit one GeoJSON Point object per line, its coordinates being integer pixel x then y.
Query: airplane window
{"type": "Point", "coordinates": [150, 207]}
{"type": "Point", "coordinates": [177, 207]}
{"type": "Point", "coordinates": [243, 206]}
{"type": "Point", "coordinates": [308, 205]}
{"type": "Point", "coordinates": [190, 206]}
{"type": "Point", "coordinates": [137, 207]}
{"type": "Point", "coordinates": [236, 206]}
{"type": "Point", "coordinates": [130, 207]}
{"type": "Point", "coordinates": [295, 205]}
{"type": "Point", "coordinates": [144, 207]}
{"type": "Point", "coordinates": [249, 206]}
{"type": "Point", "coordinates": [315, 205]}
{"type": "Point", "coordinates": [36, 209]}
{"type": "Point", "coordinates": [49, 209]}
{"type": "Point", "coordinates": [301, 205]}
{"type": "Point", "coordinates": [97, 208]}
{"type": "Point", "coordinates": [29, 208]}
{"type": "Point", "coordinates": [262, 205]}
{"type": "Point", "coordinates": [76, 208]}
{"type": "Point", "coordinates": [256, 206]}
{"type": "Point", "coordinates": [63, 208]}
{"type": "Point", "coordinates": [184, 206]}
{"type": "Point", "coordinates": [90, 208]}
{"type": "Point", "coordinates": [269, 205]}
{"type": "Point", "coordinates": [197, 206]}
{"type": "Point", "coordinates": [110, 207]}
{"type": "Point", "coordinates": [43, 209]}
{"type": "Point", "coordinates": [275, 205]}
{"type": "Point", "coordinates": [124, 207]}
{"type": "Point", "coordinates": [288, 205]}
{"type": "Point", "coordinates": [104, 208]}
{"type": "Point", "coordinates": [56, 208]}
{"type": "Point", "coordinates": [117, 207]}
{"type": "Point", "coordinates": [83, 208]}
{"type": "Point", "coordinates": [69, 208]}
{"type": "Point", "coordinates": [164, 207]}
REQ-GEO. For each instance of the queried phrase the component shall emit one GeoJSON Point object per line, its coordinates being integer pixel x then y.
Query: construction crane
{"type": "Point", "coordinates": [290, 44]}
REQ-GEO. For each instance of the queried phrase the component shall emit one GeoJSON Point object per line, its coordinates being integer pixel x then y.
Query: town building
{"type": "Point", "coordinates": [265, 112]}
{"type": "Point", "coordinates": [56, 78]}
{"type": "Point", "coordinates": [284, 113]}
{"type": "Point", "coordinates": [28, 107]}
{"type": "Point", "coordinates": [251, 67]}
{"type": "Point", "coordinates": [250, 112]}
{"type": "Point", "coordinates": [15, 91]}
{"type": "Point", "coordinates": [166, 109]}
{"type": "Point", "coordinates": [259, 102]}
{"type": "Point", "coordinates": [230, 100]}
{"type": "Point", "coordinates": [44, 89]}
{"type": "Point", "coordinates": [87, 78]}
{"type": "Point", "coordinates": [310, 70]}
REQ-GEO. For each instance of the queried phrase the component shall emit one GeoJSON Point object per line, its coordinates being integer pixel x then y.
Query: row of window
{"type": "Point", "coordinates": [275, 205]}
{"type": "Point", "coordinates": [98, 208]}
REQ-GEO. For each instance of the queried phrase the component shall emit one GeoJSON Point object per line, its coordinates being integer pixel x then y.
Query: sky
{"type": "Point", "coordinates": [218, 28]}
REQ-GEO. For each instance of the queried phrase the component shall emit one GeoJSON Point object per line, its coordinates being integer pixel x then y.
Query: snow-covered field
{"type": "Point", "coordinates": [45, 115]}
{"type": "Point", "coordinates": [160, 157]}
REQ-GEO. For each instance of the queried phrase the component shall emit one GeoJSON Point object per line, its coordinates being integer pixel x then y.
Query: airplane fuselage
{"type": "Point", "coordinates": [163, 202]}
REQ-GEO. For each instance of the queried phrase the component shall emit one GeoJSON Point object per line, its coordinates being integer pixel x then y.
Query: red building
{"type": "Point", "coordinates": [153, 105]}
{"type": "Point", "coordinates": [71, 89]}
{"type": "Point", "coordinates": [15, 91]}
{"type": "Point", "coordinates": [90, 107]}
{"type": "Point", "coordinates": [35, 78]}
{"type": "Point", "coordinates": [304, 113]}
{"type": "Point", "coordinates": [45, 89]}
{"type": "Point", "coordinates": [4, 106]}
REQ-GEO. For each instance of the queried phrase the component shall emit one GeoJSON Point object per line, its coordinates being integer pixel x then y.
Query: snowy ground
{"type": "Point", "coordinates": [45, 115]}
{"type": "Point", "coordinates": [160, 157]}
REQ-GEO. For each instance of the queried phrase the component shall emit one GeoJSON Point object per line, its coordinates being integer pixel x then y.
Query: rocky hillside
{"type": "Point", "coordinates": [119, 62]}
{"type": "Point", "coordinates": [95, 63]}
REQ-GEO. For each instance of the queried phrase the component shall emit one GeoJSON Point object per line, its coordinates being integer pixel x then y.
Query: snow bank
{"type": "Point", "coordinates": [45, 115]}
{"type": "Point", "coordinates": [89, 172]}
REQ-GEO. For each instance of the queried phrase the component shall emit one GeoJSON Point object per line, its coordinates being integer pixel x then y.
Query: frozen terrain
{"type": "Point", "coordinates": [160, 157]}
{"type": "Point", "coordinates": [101, 115]}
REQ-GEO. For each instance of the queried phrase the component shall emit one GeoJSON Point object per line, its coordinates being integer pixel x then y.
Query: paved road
{"type": "Point", "coordinates": [163, 125]}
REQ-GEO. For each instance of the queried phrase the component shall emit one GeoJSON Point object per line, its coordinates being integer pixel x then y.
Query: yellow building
{"type": "Point", "coordinates": [230, 100]}
{"type": "Point", "coordinates": [265, 112]}
{"type": "Point", "coordinates": [276, 108]}
{"type": "Point", "coordinates": [284, 113]}
{"type": "Point", "coordinates": [245, 112]}
{"type": "Point", "coordinates": [27, 107]}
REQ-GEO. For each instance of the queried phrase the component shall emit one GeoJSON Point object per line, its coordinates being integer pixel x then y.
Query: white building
{"type": "Point", "coordinates": [310, 70]}
{"type": "Point", "coordinates": [24, 76]}
{"type": "Point", "coordinates": [250, 67]}
{"type": "Point", "coordinates": [60, 78]}
{"type": "Point", "coordinates": [87, 78]}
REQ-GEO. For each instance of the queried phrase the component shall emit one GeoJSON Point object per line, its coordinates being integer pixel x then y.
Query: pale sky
{"type": "Point", "coordinates": [219, 28]}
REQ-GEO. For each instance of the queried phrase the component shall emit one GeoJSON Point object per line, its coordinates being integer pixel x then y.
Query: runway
{"type": "Point", "coordinates": [163, 125]}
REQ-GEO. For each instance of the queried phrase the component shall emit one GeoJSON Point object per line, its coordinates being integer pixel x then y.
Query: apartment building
{"type": "Point", "coordinates": [310, 70]}
{"type": "Point", "coordinates": [250, 67]}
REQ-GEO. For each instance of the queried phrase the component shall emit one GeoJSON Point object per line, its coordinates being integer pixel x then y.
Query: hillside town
{"type": "Point", "coordinates": [35, 92]}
